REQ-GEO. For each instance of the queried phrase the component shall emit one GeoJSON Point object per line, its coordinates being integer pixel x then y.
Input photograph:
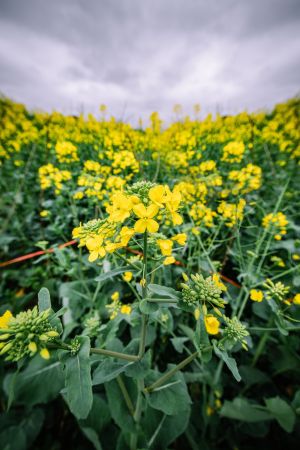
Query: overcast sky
{"type": "Point", "coordinates": [137, 56]}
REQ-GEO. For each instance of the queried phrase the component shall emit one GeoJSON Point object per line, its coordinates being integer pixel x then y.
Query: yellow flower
{"type": "Point", "coordinates": [169, 260]}
{"type": "Point", "coordinates": [157, 195]}
{"type": "Point", "coordinates": [296, 299]}
{"type": "Point", "coordinates": [173, 200]}
{"type": "Point", "coordinates": [165, 246]}
{"type": "Point", "coordinates": [146, 215]}
{"type": "Point", "coordinates": [95, 246]}
{"type": "Point", "coordinates": [218, 282]}
{"type": "Point", "coordinates": [126, 309]}
{"type": "Point", "coordinates": [256, 295]}
{"type": "Point", "coordinates": [212, 324]}
{"type": "Point", "coordinates": [296, 257]}
{"type": "Point", "coordinates": [127, 276]}
{"type": "Point", "coordinates": [5, 318]}
{"type": "Point", "coordinates": [180, 238]}
{"type": "Point", "coordinates": [125, 235]}
{"type": "Point", "coordinates": [115, 296]}
{"type": "Point", "coordinates": [45, 353]}
{"type": "Point", "coordinates": [120, 208]}
{"type": "Point", "coordinates": [44, 213]}
{"type": "Point", "coordinates": [32, 347]}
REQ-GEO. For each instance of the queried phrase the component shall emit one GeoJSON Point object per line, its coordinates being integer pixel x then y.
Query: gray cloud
{"type": "Point", "coordinates": [137, 56]}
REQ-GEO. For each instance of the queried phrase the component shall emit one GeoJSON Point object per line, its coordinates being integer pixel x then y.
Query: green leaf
{"type": "Point", "coordinates": [147, 307]}
{"type": "Point", "coordinates": [113, 273]}
{"type": "Point", "coordinates": [99, 416]}
{"type": "Point", "coordinates": [163, 291]}
{"type": "Point", "coordinates": [161, 430]}
{"type": "Point", "coordinates": [229, 361]}
{"type": "Point", "coordinates": [92, 436]}
{"type": "Point", "coordinates": [118, 408]}
{"type": "Point", "coordinates": [173, 399]}
{"type": "Point", "coordinates": [78, 380]}
{"type": "Point", "coordinates": [178, 343]}
{"type": "Point", "coordinates": [108, 370]}
{"type": "Point", "coordinates": [241, 409]}
{"type": "Point", "coordinates": [40, 382]}
{"type": "Point", "coordinates": [44, 299]}
{"type": "Point", "coordinates": [282, 412]}
{"type": "Point", "coordinates": [139, 369]}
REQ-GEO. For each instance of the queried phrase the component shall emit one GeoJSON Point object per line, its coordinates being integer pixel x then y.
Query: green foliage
{"type": "Point", "coordinates": [78, 382]}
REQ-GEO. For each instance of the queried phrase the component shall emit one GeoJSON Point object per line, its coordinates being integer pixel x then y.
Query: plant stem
{"type": "Point", "coordinates": [262, 342]}
{"type": "Point", "coordinates": [102, 351]}
{"type": "Point", "coordinates": [140, 383]}
{"type": "Point", "coordinates": [125, 395]}
{"type": "Point", "coordinates": [171, 372]}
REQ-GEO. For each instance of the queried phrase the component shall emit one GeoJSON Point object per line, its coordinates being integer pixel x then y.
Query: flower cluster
{"type": "Point", "coordinates": [143, 206]}
{"type": "Point", "coordinates": [51, 176]}
{"type": "Point", "coordinates": [66, 152]}
{"type": "Point", "coordinates": [233, 152]}
{"type": "Point", "coordinates": [276, 291]}
{"type": "Point", "coordinates": [234, 332]}
{"type": "Point", "coordinates": [26, 334]}
{"type": "Point", "coordinates": [200, 290]}
{"type": "Point", "coordinates": [116, 307]}
{"type": "Point", "coordinates": [276, 223]}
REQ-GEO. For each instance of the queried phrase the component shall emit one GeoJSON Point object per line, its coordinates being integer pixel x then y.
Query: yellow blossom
{"type": "Point", "coordinates": [146, 215]}
{"type": "Point", "coordinates": [212, 324]}
{"type": "Point", "coordinates": [115, 296]}
{"type": "Point", "coordinates": [180, 238]}
{"type": "Point", "coordinates": [126, 309]}
{"type": "Point", "coordinates": [45, 353]}
{"type": "Point", "coordinates": [296, 299]}
{"type": "Point", "coordinates": [169, 260]}
{"type": "Point", "coordinates": [5, 318]}
{"type": "Point", "coordinates": [218, 282]}
{"type": "Point", "coordinates": [165, 246]}
{"type": "Point", "coordinates": [256, 295]}
{"type": "Point", "coordinates": [127, 276]}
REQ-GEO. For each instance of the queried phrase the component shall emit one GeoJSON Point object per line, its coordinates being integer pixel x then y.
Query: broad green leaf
{"type": "Point", "coordinates": [99, 416]}
{"type": "Point", "coordinates": [118, 408]}
{"type": "Point", "coordinates": [163, 291]}
{"type": "Point", "coordinates": [139, 369]}
{"type": "Point", "coordinates": [147, 307]}
{"type": "Point", "coordinates": [161, 430]}
{"type": "Point", "coordinates": [173, 399]}
{"type": "Point", "coordinates": [282, 412]}
{"type": "Point", "coordinates": [229, 361]}
{"type": "Point", "coordinates": [44, 299]}
{"type": "Point", "coordinates": [40, 382]}
{"type": "Point", "coordinates": [78, 380]}
{"type": "Point", "coordinates": [108, 370]}
{"type": "Point", "coordinates": [241, 409]}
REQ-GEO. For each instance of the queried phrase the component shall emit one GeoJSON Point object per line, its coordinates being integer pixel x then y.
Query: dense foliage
{"type": "Point", "coordinates": [169, 317]}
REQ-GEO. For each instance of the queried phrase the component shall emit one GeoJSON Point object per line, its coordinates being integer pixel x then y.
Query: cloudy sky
{"type": "Point", "coordinates": [137, 56]}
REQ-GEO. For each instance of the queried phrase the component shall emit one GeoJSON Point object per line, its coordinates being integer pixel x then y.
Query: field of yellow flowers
{"type": "Point", "coordinates": [150, 281]}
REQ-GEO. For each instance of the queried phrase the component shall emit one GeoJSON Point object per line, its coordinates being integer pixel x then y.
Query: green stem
{"type": "Point", "coordinates": [125, 395]}
{"type": "Point", "coordinates": [140, 383]}
{"type": "Point", "coordinates": [262, 342]}
{"type": "Point", "coordinates": [171, 372]}
{"type": "Point", "coordinates": [102, 351]}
